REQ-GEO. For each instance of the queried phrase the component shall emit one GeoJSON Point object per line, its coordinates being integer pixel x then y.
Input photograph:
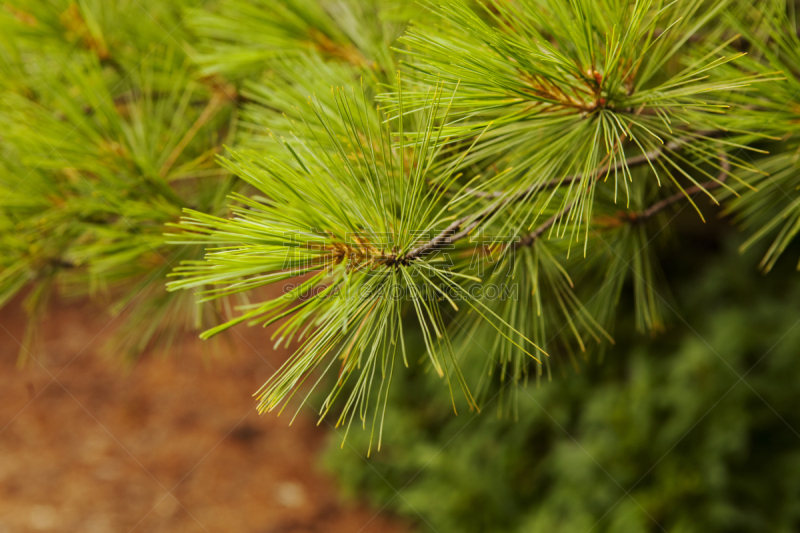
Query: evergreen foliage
{"type": "Point", "coordinates": [490, 172]}
{"type": "Point", "coordinates": [109, 131]}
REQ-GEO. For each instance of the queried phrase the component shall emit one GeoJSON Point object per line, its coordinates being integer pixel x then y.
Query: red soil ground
{"type": "Point", "coordinates": [173, 444]}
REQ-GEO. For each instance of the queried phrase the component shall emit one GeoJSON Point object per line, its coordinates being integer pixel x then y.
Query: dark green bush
{"type": "Point", "coordinates": [691, 430]}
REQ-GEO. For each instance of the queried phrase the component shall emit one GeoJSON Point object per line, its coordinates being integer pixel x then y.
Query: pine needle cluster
{"type": "Point", "coordinates": [489, 175]}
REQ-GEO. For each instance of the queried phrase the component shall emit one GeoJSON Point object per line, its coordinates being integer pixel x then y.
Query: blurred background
{"type": "Point", "coordinates": [172, 443]}
{"type": "Point", "coordinates": [695, 429]}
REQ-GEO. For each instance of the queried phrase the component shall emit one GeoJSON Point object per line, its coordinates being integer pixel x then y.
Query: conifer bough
{"type": "Point", "coordinates": [490, 181]}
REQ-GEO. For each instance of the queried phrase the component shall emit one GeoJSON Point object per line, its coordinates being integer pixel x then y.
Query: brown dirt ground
{"type": "Point", "coordinates": [173, 444]}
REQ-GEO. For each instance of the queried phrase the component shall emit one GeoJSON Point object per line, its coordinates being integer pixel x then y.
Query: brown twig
{"type": "Point", "coordinates": [634, 217]}
{"type": "Point", "coordinates": [635, 161]}
{"type": "Point", "coordinates": [210, 110]}
{"type": "Point", "coordinates": [529, 239]}
{"type": "Point", "coordinates": [678, 196]}
{"type": "Point", "coordinates": [449, 235]}
{"type": "Point", "coordinates": [467, 223]}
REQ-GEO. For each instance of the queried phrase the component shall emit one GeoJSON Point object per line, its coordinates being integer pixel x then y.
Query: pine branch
{"type": "Point", "coordinates": [210, 110]}
{"type": "Point", "coordinates": [678, 196]}
{"type": "Point", "coordinates": [449, 236]}
{"type": "Point", "coordinates": [539, 231]}
{"type": "Point", "coordinates": [634, 161]}
{"type": "Point", "coordinates": [634, 217]}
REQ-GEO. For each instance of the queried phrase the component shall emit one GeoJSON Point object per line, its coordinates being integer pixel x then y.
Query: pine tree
{"type": "Point", "coordinates": [469, 170]}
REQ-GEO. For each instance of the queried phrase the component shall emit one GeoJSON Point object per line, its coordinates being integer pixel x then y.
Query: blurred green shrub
{"type": "Point", "coordinates": [692, 430]}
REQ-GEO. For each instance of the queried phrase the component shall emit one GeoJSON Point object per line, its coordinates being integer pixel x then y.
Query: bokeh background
{"type": "Point", "coordinates": [172, 443]}
{"type": "Point", "coordinates": [694, 429]}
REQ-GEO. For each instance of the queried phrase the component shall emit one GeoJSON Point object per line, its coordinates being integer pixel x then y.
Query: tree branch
{"type": "Point", "coordinates": [467, 223]}
{"type": "Point", "coordinates": [637, 218]}
{"type": "Point", "coordinates": [678, 196]}
{"type": "Point", "coordinates": [529, 239]}
{"type": "Point", "coordinates": [635, 161]}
